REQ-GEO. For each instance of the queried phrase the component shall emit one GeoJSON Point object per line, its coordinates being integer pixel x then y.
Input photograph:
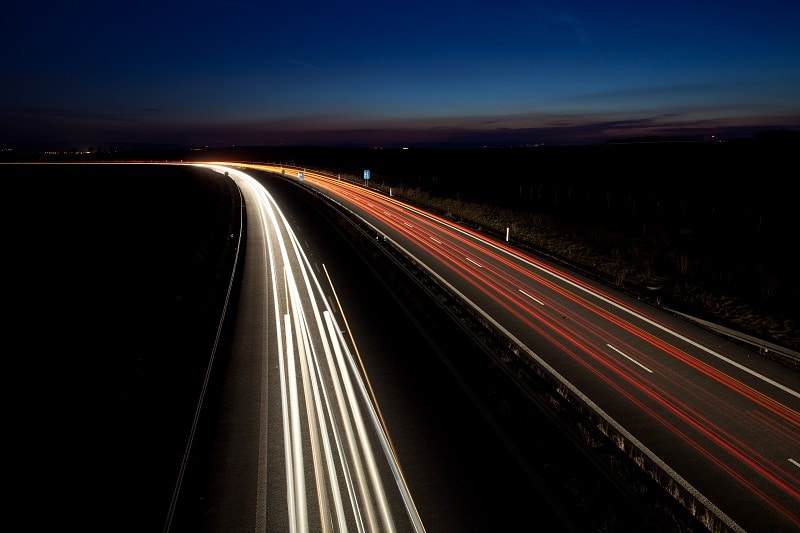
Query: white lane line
{"type": "Point", "coordinates": [473, 262]}
{"type": "Point", "coordinates": [538, 301]}
{"type": "Point", "coordinates": [406, 224]}
{"type": "Point", "coordinates": [629, 358]}
{"type": "Point", "coordinates": [437, 241]}
{"type": "Point", "coordinates": [795, 463]}
{"type": "Point", "coordinates": [601, 297]}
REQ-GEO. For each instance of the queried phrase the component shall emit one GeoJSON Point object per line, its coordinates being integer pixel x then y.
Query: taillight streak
{"type": "Point", "coordinates": [506, 292]}
{"type": "Point", "coordinates": [355, 193]}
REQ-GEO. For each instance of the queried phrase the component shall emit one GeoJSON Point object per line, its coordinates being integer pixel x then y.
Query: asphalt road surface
{"type": "Point", "coordinates": [464, 468]}
{"type": "Point", "coordinates": [721, 422]}
{"type": "Point", "coordinates": [124, 278]}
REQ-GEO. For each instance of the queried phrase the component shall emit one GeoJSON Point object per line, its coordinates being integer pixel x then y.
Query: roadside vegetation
{"type": "Point", "coordinates": [754, 302]}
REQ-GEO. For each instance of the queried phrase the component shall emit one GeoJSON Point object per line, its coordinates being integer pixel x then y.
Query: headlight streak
{"type": "Point", "coordinates": [388, 450]}
{"type": "Point", "coordinates": [301, 333]}
{"type": "Point", "coordinates": [383, 506]}
{"type": "Point", "coordinates": [314, 412]}
{"type": "Point", "coordinates": [295, 478]}
{"type": "Point", "coordinates": [323, 396]}
{"type": "Point", "coordinates": [377, 492]}
{"type": "Point", "coordinates": [366, 390]}
{"type": "Point", "coordinates": [493, 283]}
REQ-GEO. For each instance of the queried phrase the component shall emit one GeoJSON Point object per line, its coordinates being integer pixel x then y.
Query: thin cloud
{"type": "Point", "coordinates": [302, 64]}
{"type": "Point", "coordinates": [80, 114]}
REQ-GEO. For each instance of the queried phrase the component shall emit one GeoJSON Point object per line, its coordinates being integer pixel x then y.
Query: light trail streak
{"type": "Point", "coordinates": [356, 193]}
{"type": "Point", "coordinates": [666, 401]}
{"type": "Point", "coordinates": [456, 233]}
{"type": "Point", "coordinates": [334, 480]}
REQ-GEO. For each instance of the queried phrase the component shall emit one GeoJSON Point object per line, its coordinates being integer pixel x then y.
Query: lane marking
{"type": "Point", "coordinates": [473, 262]}
{"type": "Point", "coordinates": [795, 463]}
{"type": "Point", "coordinates": [517, 256]}
{"type": "Point", "coordinates": [632, 360]}
{"type": "Point", "coordinates": [538, 301]}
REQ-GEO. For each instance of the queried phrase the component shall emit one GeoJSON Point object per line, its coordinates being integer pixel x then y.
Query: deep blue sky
{"type": "Point", "coordinates": [218, 72]}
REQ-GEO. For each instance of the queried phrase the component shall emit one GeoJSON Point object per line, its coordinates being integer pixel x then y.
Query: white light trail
{"type": "Point", "coordinates": [329, 424]}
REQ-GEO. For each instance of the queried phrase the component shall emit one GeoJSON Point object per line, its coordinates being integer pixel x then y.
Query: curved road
{"type": "Point", "coordinates": [723, 423]}
{"type": "Point", "coordinates": [313, 435]}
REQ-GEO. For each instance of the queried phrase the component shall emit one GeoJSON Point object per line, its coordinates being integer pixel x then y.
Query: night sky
{"type": "Point", "coordinates": [375, 73]}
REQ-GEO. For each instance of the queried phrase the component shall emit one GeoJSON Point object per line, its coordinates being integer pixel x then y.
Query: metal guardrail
{"type": "Point", "coordinates": [765, 348]}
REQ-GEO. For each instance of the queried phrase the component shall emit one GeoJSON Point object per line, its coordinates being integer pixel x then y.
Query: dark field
{"type": "Point", "coordinates": [121, 280]}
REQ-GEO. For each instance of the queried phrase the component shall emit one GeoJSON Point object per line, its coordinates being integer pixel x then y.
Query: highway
{"type": "Point", "coordinates": [717, 423]}
{"type": "Point", "coordinates": [153, 282]}
{"type": "Point", "coordinates": [305, 449]}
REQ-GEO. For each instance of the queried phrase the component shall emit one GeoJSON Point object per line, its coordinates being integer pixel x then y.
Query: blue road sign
{"type": "Point", "coordinates": [366, 174]}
